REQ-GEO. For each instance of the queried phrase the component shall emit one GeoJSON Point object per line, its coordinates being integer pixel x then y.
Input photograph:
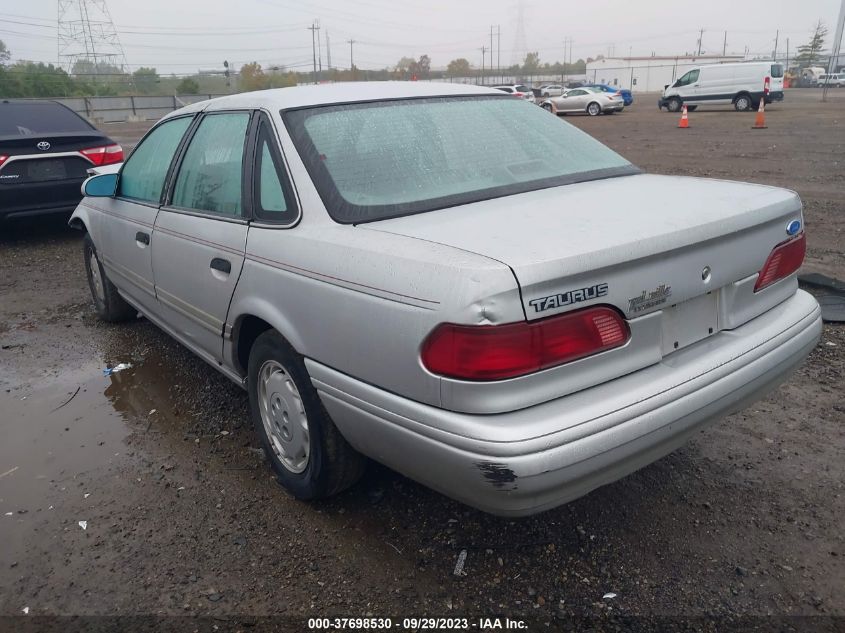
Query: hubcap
{"type": "Point", "coordinates": [283, 416]}
{"type": "Point", "coordinates": [594, 109]}
{"type": "Point", "coordinates": [96, 278]}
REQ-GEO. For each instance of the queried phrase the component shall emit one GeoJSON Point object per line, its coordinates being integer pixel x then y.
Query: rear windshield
{"type": "Point", "coordinates": [372, 161]}
{"type": "Point", "coordinates": [27, 119]}
{"type": "Point", "coordinates": [777, 71]}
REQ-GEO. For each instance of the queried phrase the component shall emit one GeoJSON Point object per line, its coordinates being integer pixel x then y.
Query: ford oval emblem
{"type": "Point", "coordinates": [793, 227]}
{"type": "Point", "coordinates": [43, 146]}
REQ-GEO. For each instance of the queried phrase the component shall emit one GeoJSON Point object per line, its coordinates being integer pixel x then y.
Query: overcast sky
{"type": "Point", "coordinates": [185, 35]}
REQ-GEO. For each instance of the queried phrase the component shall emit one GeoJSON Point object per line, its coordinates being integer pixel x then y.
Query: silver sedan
{"type": "Point", "coordinates": [591, 101]}
{"type": "Point", "coordinates": [419, 273]}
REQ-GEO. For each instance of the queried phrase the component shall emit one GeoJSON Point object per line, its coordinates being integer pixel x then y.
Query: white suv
{"type": "Point", "coordinates": [518, 90]}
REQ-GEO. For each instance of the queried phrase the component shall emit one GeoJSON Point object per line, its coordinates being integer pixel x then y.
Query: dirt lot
{"type": "Point", "coordinates": [183, 517]}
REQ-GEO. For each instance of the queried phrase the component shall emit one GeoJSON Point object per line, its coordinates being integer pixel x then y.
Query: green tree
{"type": "Point", "coordinates": [188, 87]}
{"type": "Point", "coordinates": [809, 53]}
{"type": "Point", "coordinates": [459, 67]}
{"type": "Point", "coordinates": [531, 64]}
{"type": "Point", "coordinates": [145, 80]}
{"type": "Point", "coordinates": [28, 79]}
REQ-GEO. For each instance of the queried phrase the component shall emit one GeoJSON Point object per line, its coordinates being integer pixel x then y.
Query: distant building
{"type": "Point", "coordinates": [648, 74]}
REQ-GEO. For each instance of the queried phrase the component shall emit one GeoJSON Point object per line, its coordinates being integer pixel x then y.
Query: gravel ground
{"type": "Point", "coordinates": [181, 516]}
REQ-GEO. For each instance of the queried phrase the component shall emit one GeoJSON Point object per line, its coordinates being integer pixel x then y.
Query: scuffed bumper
{"type": "Point", "coordinates": [604, 433]}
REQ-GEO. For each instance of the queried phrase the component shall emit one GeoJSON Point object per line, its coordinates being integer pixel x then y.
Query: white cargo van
{"type": "Point", "coordinates": [740, 84]}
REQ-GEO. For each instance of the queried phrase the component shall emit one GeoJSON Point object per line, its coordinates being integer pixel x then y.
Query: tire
{"type": "Point", "coordinates": [308, 455]}
{"type": "Point", "coordinates": [547, 107]}
{"type": "Point", "coordinates": [546, 94]}
{"type": "Point", "coordinates": [692, 108]}
{"type": "Point", "coordinates": [743, 103]}
{"type": "Point", "coordinates": [593, 109]}
{"type": "Point", "coordinates": [674, 105]}
{"type": "Point", "coordinates": [108, 303]}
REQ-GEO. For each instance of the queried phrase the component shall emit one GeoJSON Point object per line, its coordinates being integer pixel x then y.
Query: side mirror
{"type": "Point", "coordinates": [100, 186]}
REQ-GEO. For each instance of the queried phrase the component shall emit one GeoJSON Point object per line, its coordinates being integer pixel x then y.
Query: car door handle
{"type": "Point", "coordinates": [142, 238]}
{"type": "Point", "coordinates": [223, 265]}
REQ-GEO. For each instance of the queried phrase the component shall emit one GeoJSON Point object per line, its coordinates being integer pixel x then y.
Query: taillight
{"type": "Point", "coordinates": [519, 94]}
{"type": "Point", "coordinates": [784, 260]}
{"type": "Point", "coordinates": [496, 352]}
{"type": "Point", "coordinates": [105, 155]}
{"type": "Point", "coordinates": [3, 158]}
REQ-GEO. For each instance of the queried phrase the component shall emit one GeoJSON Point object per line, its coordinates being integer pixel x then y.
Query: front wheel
{"type": "Point", "coordinates": [108, 303]}
{"type": "Point", "coordinates": [547, 107]}
{"type": "Point", "coordinates": [674, 104]}
{"type": "Point", "coordinates": [594, 109]}
{"type": "Point", "coordinates": [307, 453]}
{"type": "Point", "coordinates": [742, 103]}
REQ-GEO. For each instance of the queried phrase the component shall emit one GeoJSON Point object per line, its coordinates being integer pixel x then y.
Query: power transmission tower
{"type": "Point", "coordinates": [700, 37]}
{"type": "Point", "coordinates": [86, 33]}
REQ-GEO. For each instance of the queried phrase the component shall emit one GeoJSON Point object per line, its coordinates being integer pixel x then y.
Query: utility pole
{"type": "Point", "coordinates": [314, 28]}
{"type": "Point", "coordinates": [725, 45]}
{"type": "Point", "coordinates": [319, 53]}
{"type": "Point", "coordinates": [491, 47]}
{"type": "Point", "coordinates": [775, 53]}
{"type": "Point", "coordinates": [700, 37]}
{"type": "Point", "coordinates": [483, 52]}
{"type": "Point", "coordinates": [833, 63]}
{"type": "Point", "coordinates": [786, 66]}
{"type": "Point", "coordinates": [328, 53]}
{"type": "Point", "coordinates": [498, 52]}
{"type": "Point", "coordinates": [351, 63]}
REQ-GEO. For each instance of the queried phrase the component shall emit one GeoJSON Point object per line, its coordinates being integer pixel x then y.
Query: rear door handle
{"type": "Point", "coordinates": [142, 238]}
{"type": "Point", "coordinates": [223, 265]}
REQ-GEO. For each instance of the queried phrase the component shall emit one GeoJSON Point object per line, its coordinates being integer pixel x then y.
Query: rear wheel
{"type": "Point", "coordinates": [307, 453]}
{"type": "Point", "coordinates": [108, 303]}
{"type": "Point", "coordinates": [594, 109]}
{"type": "Point", "coordinates": [674, 104]}
{"type": "Point", "coordinates": [743, 103]}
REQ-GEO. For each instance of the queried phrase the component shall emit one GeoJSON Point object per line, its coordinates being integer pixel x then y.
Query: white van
{"type": "Point", "coordinates": [740, 84]}
{"type": "Point", "coordinates": [834, 80]}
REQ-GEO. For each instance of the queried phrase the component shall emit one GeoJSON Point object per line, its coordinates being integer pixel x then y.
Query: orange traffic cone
{"type": "Point", "coordinates": [684, 122]}
{"type": "Point", "coordinates": [760, 121]}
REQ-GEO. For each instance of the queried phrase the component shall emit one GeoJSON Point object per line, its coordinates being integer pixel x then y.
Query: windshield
{"type": "Point", "coordinates": [372, 161]}
{"type": "Point", "coordinates": [28, 119]}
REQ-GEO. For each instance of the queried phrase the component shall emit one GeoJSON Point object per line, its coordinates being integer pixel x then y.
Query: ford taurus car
{"type": "Point", "coordinates": [419, 274]}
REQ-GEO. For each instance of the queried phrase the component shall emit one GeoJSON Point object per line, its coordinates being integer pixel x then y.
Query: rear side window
{"type": "Point", "coordinates": [777, 71]}
{"type": "Point", "coordinates": [503, 89]}
{"type": "Point", "coordinates": [28, 119]}
{"type": "Point", "coordinates": [523, 89]}
{"type": "Point", "coordinates": [211, 174]}
{"type": "Point", "coordinates": [273, 196]}
{"type": "Point", "coordinates": [142, 177]}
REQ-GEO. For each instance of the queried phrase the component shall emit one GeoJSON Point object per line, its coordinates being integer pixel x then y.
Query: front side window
{"type": "Point", "coordinates": [372, 161]}
{"type": "Point", "coordinates": [142, 177]}
{"type": "Point", "coordinates": [689, 78]}
{"type": "Point", "coordinates": [210, 176]}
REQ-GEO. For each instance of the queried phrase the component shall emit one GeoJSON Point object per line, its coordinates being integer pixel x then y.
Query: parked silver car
{"type": "Point", "coordinates": [419, 273]}
{"type": "Point", "coordinates": [593, 101]}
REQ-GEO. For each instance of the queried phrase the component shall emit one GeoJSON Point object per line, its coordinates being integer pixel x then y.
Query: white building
{"type": "Point", "coordinates": [648, 74]}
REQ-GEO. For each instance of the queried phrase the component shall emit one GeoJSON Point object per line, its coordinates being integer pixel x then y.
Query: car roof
{"type": "Point", "coordinates": [328, 94]}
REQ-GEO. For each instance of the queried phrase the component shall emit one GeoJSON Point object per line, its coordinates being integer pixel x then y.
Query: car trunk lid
{"type": "Point", "coordinates": [640, 243]}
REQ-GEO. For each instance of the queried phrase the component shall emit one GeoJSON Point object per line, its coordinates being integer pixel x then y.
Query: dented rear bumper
{"type": "Point", "coordinates": [504, 464]}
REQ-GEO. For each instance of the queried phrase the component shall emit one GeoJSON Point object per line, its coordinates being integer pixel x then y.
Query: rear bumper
{"type": "Point", "coordinates": [39, 198]}
{"type": "Point", "coordinates": [603, 433]}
